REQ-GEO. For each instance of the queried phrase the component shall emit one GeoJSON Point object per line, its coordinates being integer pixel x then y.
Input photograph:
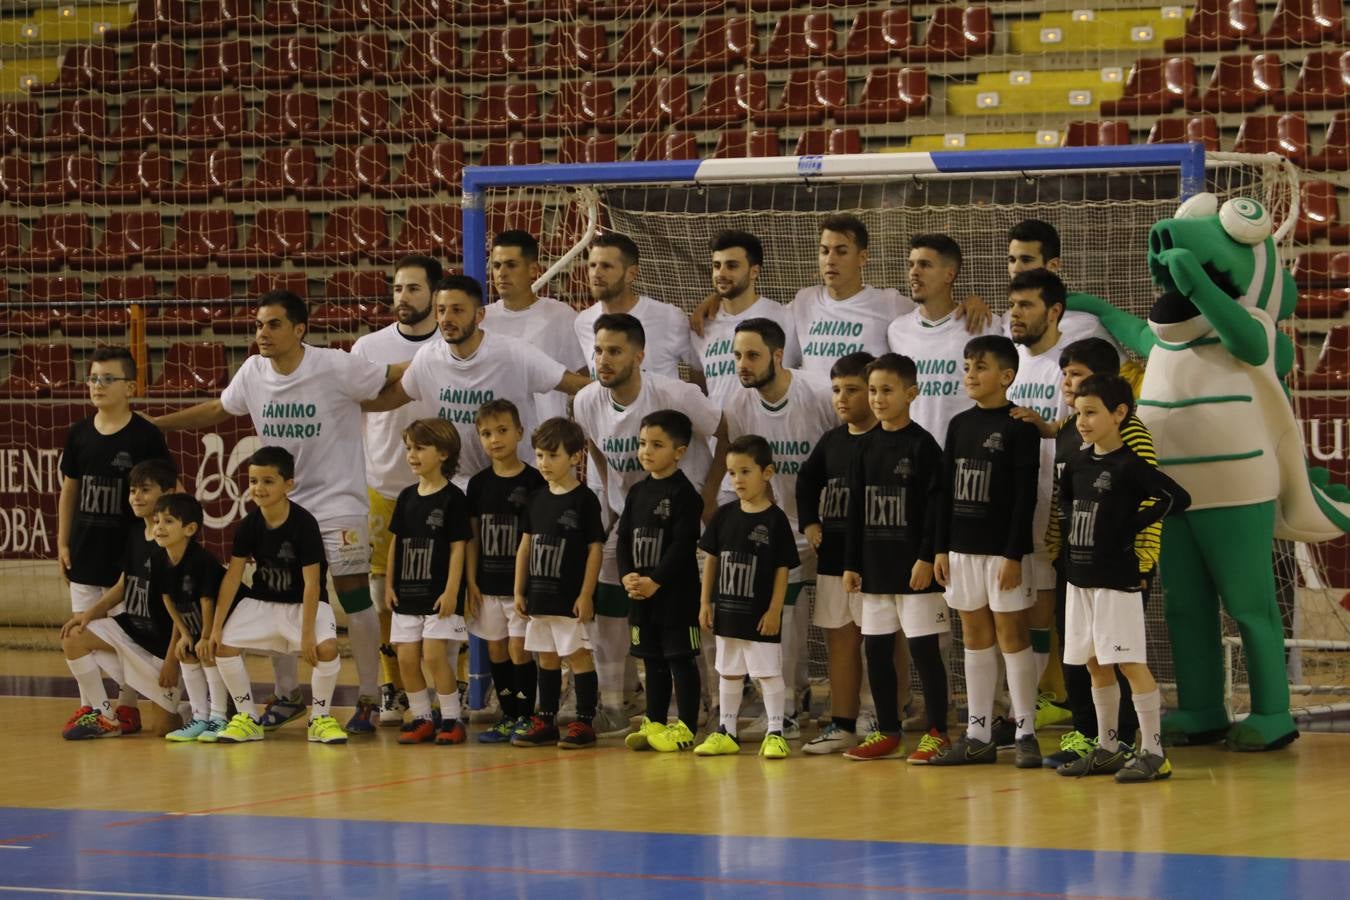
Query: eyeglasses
{"type": "Point", "coordinates": [105, 380]}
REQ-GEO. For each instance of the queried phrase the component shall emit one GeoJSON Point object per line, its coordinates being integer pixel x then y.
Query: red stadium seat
{"type": "Point", "coordinates": [365, 286]}
{"type": "Point", "coordinates": [1183, 130]}
{"type": "Point", "coordinates": [205, 175]}
{"type": "Point", "coordinates": [1285, 134]}
{"type": "Point", "coordinates": [730, 97]}
{"type": "Point", "coordinates": [217, 17]}
{"type": "Point", "coordinates": [1334, 154]}
{"type": "Point", "coordinates": [654, 101]}
{"type": "Point", "coordinates": [1241, 82]}
{"type": "Point", "coordinates": [527, 11]}
{"type": "Point", "coordinates": [721, 43]}
{"type": "Point", "coordinates": [822, 141]}
{"type": "Point", "coordinates": [955, 32]}
{"type": "Point", "coordinates": [337, 315]}
{"type": "Point", "coordinates": [113, 297]}
{"type": "Point", "coordinates": [41, 370]}
{"type": "Point", "coordinates": [64, 296]}
{"type": "Point", "coordinates": [425, 13]}
{"type": "Point", "coordinates": [146, 119]}
{"type": "Point", "coordinates": [1321, 270]}
{"type": "Point", "coordinates": [284, 60]}
{"type": "Point", "coordinates": [648, 45]}
{"type": "Point", "coordinates": [86, 67]}
{"type": "Point", "coordinates": [1301, 23]}
{"type": "Point", "coordinates": [591, 149]}
{"type": "Point", "coordinates": [501, 51]}
{"type": "Point", "coordinates": [808, 97]}
{"type": "Point", "coordinates": [677, 145]}
{"type": "Point", "coordinates": [889, 95]}
{"type": "Point", "coordinates": [503, 108]}
{"type": "Point", "coordinates": [63, 178]}
{"type": "Point", "coordinates": [126, 237]}
{"type": "Point", "coordinates": [154, 17]}
{"type": "Point", "coordinates": [1155, 85]}
{"type": "Point", "coordinates": [1096, 134]}
{"type": "Point", "coordinates": [208, 297]}
{"type": "Point", "coordinates": [524, 215]}
{"type": "Point", "coordinates": [427, 56]}
{"type": "Point", "coordinates": [155, 65]}
{"type": "Point", "coordinates": [349, 232]}
{"type": "Point", "coordinates": [202, 235]}
{"type": "Point", "coordinates": [1319, 214]}
{"type": "Point", "coordinates": [1217, 25]}
{"type": "Point", "coordinates": [576, 45]}
{"type": "Point", "coordinates": [352, 171]}
{"type": "Point", "coordinates": [20, 124]}
{"type": "Point", "coordinates": [139, 175]}
{"type": "Point", "coordinates": [577, 105]}
{"type": "Point", "coordinates": [798, 39]}
{"type": "Point", "coordinates": [55, 237]}
{"type": "Point", "coordinates": [284, 116]}
{"type": "Point", "coordinates": [1332, 370]}
{"type": "Point", "coordinates": [11, 243]}
{"type": "Point", "coordinates": [16, 177]}
{"type": "Point", "coordinates": [356, 113]}
{"type": "Point", "coordinates": [241, 318]}
{"type": "Point", "coordinates": [429, 112]}
{"type": "Point", "coordinates": [79, 120]}
{"type": "Point", "coordinates": [511, 153]}
{"type": "Point", "coordinates": [277, 234]}
{"type": "Point", "coordinates": [428, 169]}
{"type": "Point", "coordinates": [354, 58]}
{"type": "Point", "coordinates": [473, 12]}
{"type": "Point", "coordinates": [354, 15]}
{"type": "Point", "coordinates": [740, 143]}
{"type": "Point", "coordinates": [27, 321]}
{"type": "Point", "coordinates": [1323, 82]}
{"type": "Point", "coordinates": [432, 228]}
{"type": "Point", "coordinates": [876, 35]}
{"type": "Point", "coordinates": [190, 369]}
{"type": "Point", "coordinates": [290, 15]}
{"type": "Point", "coordinates": [279, 172]}
{"type": "Point", "coordinates": [213, 118]}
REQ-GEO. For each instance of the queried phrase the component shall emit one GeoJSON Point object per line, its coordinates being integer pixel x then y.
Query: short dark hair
{"type": "Point", "coordinates": [621, 242]}
{"type": "Point", "coordinates": [559, 432]}
{"type": "Point", "coordinates": [1097, 354]}
{"type": "Point", "coordinates": [731, 238]}
{"type": "Point", "coordinates": [1002, 349]}
{"type": "Point", "coordinates": [436, 433]}
{"type": "Point", "coordinates": [119, 355]}
{"type": "Point", "coordinates": [297, 310]}
{"type": "Point", "coordinates": [628, 325]}
{"type": "Point", "coordinates": [1034, 231]}
{"type": "Point", "coordinates": [897, 364]}
{"type": "Point", "coordinates": [753, 446]}
{"type": "Point", "coordinates": [521, 240]}
{"type": "Point", "coordinates": [429, 265]}
{"type": "Point", "coordinates": [273, 457]}
{"type": "Point", "coordinates": [1049, 285]}
{"type": "Point", "coordinates": [498, 406]}
{"type": "Point", "coordinates": [852, 365]}
{"type": "Point", "coordinates": [945, 246]}
{"type": "Point", "coordinates": [184, 507]}
{"type": "Point", "coordinates": [465, 283]}
{"type": "Point", "coordinates": [843, 223]}
{"type": "Point", "coordinates": [158, 471]}
{"type": "Point", "coordinates": [1111, 388]}
{"type": "Point", "coordinates": [769, 330]}
{"type": "Point", "coordinates": [672, 422]}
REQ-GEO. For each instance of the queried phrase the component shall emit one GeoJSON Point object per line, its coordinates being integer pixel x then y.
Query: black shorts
{"type": "Point", "coordinates": [654, 641]}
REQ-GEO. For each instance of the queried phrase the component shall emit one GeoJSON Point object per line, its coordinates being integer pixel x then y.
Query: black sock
{"type": "Point", "coordinates": [503, 682]}
{"type": "Point", "coordinates": [849, 725]}
{"type": "Point", "coordinates": [926, 652]}
{"type": "Point", "coordinates": [879, 649]}
{"type": "Point", "coordinates": [550, 692]}
{"type": "Point", "coordinates": [588, 694]}
{"type": "Point", "coordinates": [1078, 697]}
{"type": "Point", "coordinates": [658, 689]}
{"type": "Point", "coordinates": [688, 689]}
{"type": "Point", "coordinates": [1127, 727]}
{"type": "Point", "coordinates": [527, 681]}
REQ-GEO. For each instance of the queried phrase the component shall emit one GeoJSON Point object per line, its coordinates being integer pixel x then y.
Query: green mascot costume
{"type": "Point", "coordinates": [1213, 396]}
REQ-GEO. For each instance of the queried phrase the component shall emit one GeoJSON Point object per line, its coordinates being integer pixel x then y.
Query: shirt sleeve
{"type": "Point", "coordinates": [245, 539]}
{"type": "Point", "coordinates": [854, 515]}
{"type": "Point", "coordinates": [569, 350]}
{"type": "Point", "coordinates": [680, 550]}
{"type": "Point", "coordinates": [414, 374]}
{"type": "Point", "coordinates": [1026, 449]}
{"type": "Point", "coordinates": [592, 520]}
{"type": "Point", "coordinates": [792, 348]}
{"type": "Point", "coordinates": [785, 554]}
{"type": "Point", "coordinates": [1063, 511]}
{"type": "Point", "coordinates": [930, 481]}
{"type": "Point", "coordinates": [210, 577]}
{"type": "Point", "coordinates": [709, 543]}
{"type": "Point", "coordinates": [542, 372]}
{"type": "Point", "coordinates": [70, 464]}
{"type": "Point", "coordinates": [395, 525]}
{"type": "Point", "coordinates": [234, 399]}
{"type": "Point", "coordinates": [309, 541]}
{"type": "Point", "coordinates": [943, 492]}
{"type": "Point", "coordinates": [457, 516]}
{"type": "Point", "coordinates": [153, 445]}
{"type": "Point", "coordinates": [1168, 496]}
{"type": "Point", "coordinates": [623, 537]}
{"type": "Point", "coordinates": [702, 412]}
{"type": "Point", "coordinates": [810, 482]}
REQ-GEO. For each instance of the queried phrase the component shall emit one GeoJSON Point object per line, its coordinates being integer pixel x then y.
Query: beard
{"type": "Point", "coordinates": [1032, 332]}
{"type": "Point", "coordinates": [767, 378]}
{"type": "Point", "coordinates": [468, 332]}
{"type": "Point", "coordinates": [415, 316]}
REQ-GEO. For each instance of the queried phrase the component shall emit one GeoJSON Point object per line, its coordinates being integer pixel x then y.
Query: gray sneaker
{"type": "Point", "coordinates": [791, 730]}
{"type": "Point", "coordinates": [1098, 762]}
{"type": "Point", "coordinates": [966, 752]}
{"type": "Point", "coordinates": [609, 723]}
{"type": "Point", "coordinates": [1028, 752]}
{"type": "Point", "coordinates": [1144, 766]}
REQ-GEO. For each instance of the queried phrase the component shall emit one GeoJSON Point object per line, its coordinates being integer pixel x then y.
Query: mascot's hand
{"type": "Point", "coordinates": [1187, 273]}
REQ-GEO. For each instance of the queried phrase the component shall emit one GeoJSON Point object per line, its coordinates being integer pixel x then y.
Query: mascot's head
{"type": "Point", "coordinates": [1233, 245]}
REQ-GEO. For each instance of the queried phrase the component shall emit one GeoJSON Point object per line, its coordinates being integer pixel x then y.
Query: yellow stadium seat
{"type": "Point", "coordinates": [1086, 29]}
{"type": "Point", "coordinates": [1077, 91]}
{"type": "Point", "coordinates": [16, 75]}
{"type": "Point", "coordinates": [1017, 140]}
{"type": "Point", "coordinates": [65, 25]}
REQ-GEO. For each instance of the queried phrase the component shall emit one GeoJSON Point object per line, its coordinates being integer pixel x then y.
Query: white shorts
{"type": "Point", "coordinates": [835, 607]}
{"type": "Point", "coordinates": [1038, 571]}
{"type": "Point", "coordinates": [412, 629]}
{"type": "Point", "coordinates": [917, 615]}
{"type": "Point", "coordinates": [274, 627]}
{"type": "Point", "coordinates": [497, 619]}
{"type": "Point", "coordinates": [85, 596]}
{"type": "Point", "coordinates": [758, 659]}
{"type": "Point", "coordinates": [1103, 623]}
{"type": "Point", "coordinates": [346, 545]}
{"type": "Point", "coordinates": [973, 584]}
{"type": "Point", "coordinates": [561, 635]}
{"type": "Point", "coordinates": [140, 667]}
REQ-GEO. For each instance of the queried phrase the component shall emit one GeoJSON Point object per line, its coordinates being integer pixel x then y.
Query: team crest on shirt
{"type": "Point", "coordinates": [189, 586]}
{"type": "Point", "coordinates": [519, 496]}
{"type": "Point", "coordinates": [122, 460]}
{"type": "Point", "coordinates": [994, 443]}
{"type": "Point", "coordinates": [286, 551]}
{"type": "Point", "coordinates": [436, 518]}
{"type": "Point", "coordinates": [904, 468]}
{"type": "Point", "coordinates": [1103, 483]}
{"type": "Point", "coordinates": [662, 509]}
{"type": "Point", "coordinates": [569, 519]}
{"type": "Point", "coordinates": [759, 535]}
{"type": "Point", "coordinates": [146, 565]}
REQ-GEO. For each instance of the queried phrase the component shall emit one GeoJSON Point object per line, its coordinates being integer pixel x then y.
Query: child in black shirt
{"type": "Point", "coordinates": [657, 547]}
{"type": "Point", "coordinates": [1107, 495]}
{"type": "Point", "coordinates": [428, 533]}
{"type": "Point", "coordinates": [285, 609]}
{"type": "Point", "coordinates": [557, 567]}
{"type": "Point", "coordinates": [990, 465]}
{"type": "Point", "coordinates": [750, 549]}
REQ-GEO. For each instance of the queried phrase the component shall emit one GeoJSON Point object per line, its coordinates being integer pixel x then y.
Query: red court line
{"type": "Point", "coordinates": [25, 838]}
{"type": "Point", "coordinates": [617, 876]}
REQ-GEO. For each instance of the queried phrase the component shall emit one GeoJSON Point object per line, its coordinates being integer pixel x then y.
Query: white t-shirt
{"type": "Point", "coordinates": [828, 329]}
{"type": "Point", "coordinates": [938, 350]}
{"type": "Point", "coordinates": [547, 325]}
{"type": "Point", "coordinates": [665, 327]}
{"type": "Point", "coordinates": [501, 367]}
{"type": "Point", "coordinates": [315, 413]}
{"type": "Point", "coordinates": [1038, 386]}
{"type": "Point", "coordinates": [387, 470]}
{"type": "Point", "coordinates": [793, 428]}
{"type": "Point", "coordinates": [614, 429]}
{"type": "Point", "coordinates": [713, 349]}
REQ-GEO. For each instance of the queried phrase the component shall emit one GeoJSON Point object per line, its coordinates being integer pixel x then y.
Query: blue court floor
{"type": "Point", "coordinates": [45, 852]}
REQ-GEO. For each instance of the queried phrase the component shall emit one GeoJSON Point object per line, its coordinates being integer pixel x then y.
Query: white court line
{"type": "Point", "coordinates": [73, 892]}
{"type": "Point", "coordinates": [14, 847]}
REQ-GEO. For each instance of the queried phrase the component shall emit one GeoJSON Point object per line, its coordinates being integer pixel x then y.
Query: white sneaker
{"type": "Point", "coordinates": [758, 727]}
{"type": "Point", "coordinates": [567, 703]}
{"type": "Point", "coordinates": [867, 723]}
{"type": "Point", "coordinates": [635, 704]}
{"type": "Point", "coordinates": [609, 723]}
{"type": "Point", "coordinates": [791, 730]}
{"type": "Point", "coordinates": [832, 740]}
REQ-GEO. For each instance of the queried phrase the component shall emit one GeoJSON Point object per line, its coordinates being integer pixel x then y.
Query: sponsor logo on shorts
{"type": "Point", "coordinates": [350, 536]}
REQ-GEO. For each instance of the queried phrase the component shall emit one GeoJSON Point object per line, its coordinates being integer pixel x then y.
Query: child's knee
{"type": "Point", "coordinates": [327, 651]}
{"type": "Point", "coordinates": [550, 661]}
{"type": "Point", "coordinates": [582, 661]}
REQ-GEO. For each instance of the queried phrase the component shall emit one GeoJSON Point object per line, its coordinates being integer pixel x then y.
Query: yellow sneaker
{"type": "Point", "coordinates": [1050, 713]}
{"type": "Point", "coordinates": [672, 738]}
{"type": "Point", "coordinates": [641, 739]}
{"type": "Point", "coordinates": [719, 743]}
{"type": "Point", "coordinates": [775, 746]}
{"type": "Point", "coordinates": [242, 728]}
{"type": "Point", "coordinates": [326, 730]}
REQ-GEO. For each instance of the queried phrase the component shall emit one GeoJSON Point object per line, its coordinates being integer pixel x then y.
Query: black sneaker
{"type": "Point", "coordinates": [965, 752]}
{"type": "Point", "coordinates": [539, 734]}
{"type": "Point", "coordinates": [1144, 767]}
{"type": "Point", "coordinates": [1098, 762]}
{"type": "Point", "coordinates": [1072, 747]}
{"type": "Point", "coordinates": [1004, 733]}
{"type": "Point", "coordinates": [1028, 753]}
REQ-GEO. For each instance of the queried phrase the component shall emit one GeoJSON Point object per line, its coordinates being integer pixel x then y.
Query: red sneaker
{"type": "Point", "coordinates": [930, 745]}
{"type": "Point", "coordinates": [79, 714]}
{"type": "Point", "coordinates": [92, 725]}
{"type": "Point", "coordinates": [578, 735]}
{"type": "Point", "coordinates": [876, 746]}
{"type": "Point", "coordinates": [451, 732]}
{"type": "Point", "coordinates": [129, 717]}
{"type": "Point", "coordinates": [418, 731]}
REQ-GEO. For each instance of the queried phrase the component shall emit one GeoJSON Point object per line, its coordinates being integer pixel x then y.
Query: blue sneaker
{"type": "Point", "coordinates": [212, 733]}
{"type": "Point", "coordinates": [364, 718]}
{"type": "Point", "coordinates": [280, 710]}
{"type": "Point", "coordinates": [499, 733]}
{"type": "Point", "coordinates": [189, 732]}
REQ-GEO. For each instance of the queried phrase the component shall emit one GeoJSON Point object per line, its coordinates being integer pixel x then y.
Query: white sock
{"type": "Point", "coordinates": [111, 665]}
{"type": "Point", "coordinates": [729, 696]}
{"type": "Point", "coordinates": [286, 672]}
{"type": "Point", "coordinates": [774, 691]}
{"type": "Point", "coordinates": [419, 704]}
{"type": "Point", "coordinates": [87, 674]}
{"type": "Point", "coordinates": [1022, 688]}
{"type": "Point", "coordinates": [220, 694]}
{"type": "Point", "coordinates": [1042, 663]}
{"type": "Point", "coordinates": [449, 705]}
{"type": "Point", "coordinates": [126, 696]}
{"type": "Point", "coordinates": [377, 593]}
{"type": "Point", "coordinates": [1106, 701]}
{"type": "Point", "coordinates": [981, 674]}
{"type": "Point", "coordinates": [609, 640]}
{"type": "Point", "coordinates": [790, 652]}
{"type": "Point", "coordinates": [199, 695]}
{"type": "Point", "coordinates": [1148, 707]}
{"type": "Point", "coordinates": [363, 631]}
{"type": "Point", "coordinates": [322, 681]}
{"type": "Point", "coordinates": [235, 675]}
